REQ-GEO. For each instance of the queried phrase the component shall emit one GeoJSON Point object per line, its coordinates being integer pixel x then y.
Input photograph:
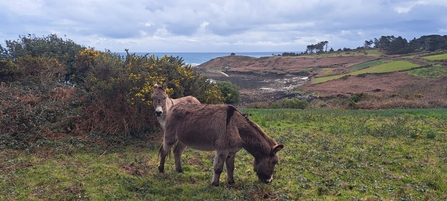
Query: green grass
{"type": "Point", "coordinates": [387, 67]}
{"type": "Point", "coordinates": [328, 78]}
{"type": "Point", "coordinates": [430, 72]}
{"type": "Point", "coordinates": [367, 64]}
{"type": "Point", "coordinates": [436, 57]}
{"type": "Point", "coordinates": [390, 66]}
{"type": "Point", "coordinates": [328, 155]}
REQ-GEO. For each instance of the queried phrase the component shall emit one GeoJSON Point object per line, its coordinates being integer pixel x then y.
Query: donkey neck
{"type": "Point", "coordinates": [169, 104]}
{"type": "Point", "coordinates": [256, 142]}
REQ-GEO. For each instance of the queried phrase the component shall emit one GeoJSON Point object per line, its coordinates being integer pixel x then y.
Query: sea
{"type": "Point", "coordinates": [197, 58]}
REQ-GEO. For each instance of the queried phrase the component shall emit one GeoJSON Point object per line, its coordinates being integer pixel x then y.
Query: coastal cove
{"type": "Point", "coordinates": [197, 58]}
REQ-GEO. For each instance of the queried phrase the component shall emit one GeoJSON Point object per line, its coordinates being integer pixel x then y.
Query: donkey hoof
{"type": "Point", "coordinates": [215, 183]}
{"type": "Point", "coordinates": [179, 170]}
{"type": "Point", "coordinates": [231, 182]}
{"type": "Point", "coordinates": [161, 169]}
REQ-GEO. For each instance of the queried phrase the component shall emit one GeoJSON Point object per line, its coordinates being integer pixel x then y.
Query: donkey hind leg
{"type": "Point", "coordinates": [178, 150]}
{"type": "Point", "coordinates": [219, 160]}
{"type": "Point", "coordinates": [229, 163]}
{"type": "Point", "coordinates": [165, 148]}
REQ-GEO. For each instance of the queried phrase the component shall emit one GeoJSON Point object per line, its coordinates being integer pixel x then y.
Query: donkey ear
{"type": "Point", "coordinates": [165, 84]}
{"type": "Point", "coordinates": [277, 148]}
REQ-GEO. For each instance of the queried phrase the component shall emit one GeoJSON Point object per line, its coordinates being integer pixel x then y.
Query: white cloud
{"type": "Point", "coordinates": [201, 25]}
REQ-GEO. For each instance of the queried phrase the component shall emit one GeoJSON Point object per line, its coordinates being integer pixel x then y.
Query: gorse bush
{"type": "Point", "coordinates": [230, 92]}
{"type": "Point", "coordinates": [288, 103]}
{"type": "Point", "coordinates": [294, 103]}
{"type": "Point", "coordinates": [122, 89]}
{"type": "Point", "coordinates": [52, 86]}
{"type": "Point", "coordinates": [50, 47]}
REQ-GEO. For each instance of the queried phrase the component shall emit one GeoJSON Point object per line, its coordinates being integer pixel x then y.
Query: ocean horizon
{"type": "Point", "coordinates": [197, 58]}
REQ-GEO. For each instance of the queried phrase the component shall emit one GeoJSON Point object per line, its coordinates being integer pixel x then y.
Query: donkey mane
{"type": "Point", "coordinates": [254, 147]}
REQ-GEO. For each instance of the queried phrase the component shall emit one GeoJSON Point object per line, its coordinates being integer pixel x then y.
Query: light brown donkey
{"type": "Point", "coordinates": [224, 129]}
{"type": "Point", "coordinates": [162, 103]}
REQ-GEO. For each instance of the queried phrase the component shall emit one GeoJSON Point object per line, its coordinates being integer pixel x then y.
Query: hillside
{"type": "Point", "coordinates": [376, 80]}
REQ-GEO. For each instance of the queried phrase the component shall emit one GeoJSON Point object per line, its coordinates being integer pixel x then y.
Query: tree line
{"type": "Point", "coordinates": [388, 44]}
{"type": "Point", "coordinates": [400, 45]}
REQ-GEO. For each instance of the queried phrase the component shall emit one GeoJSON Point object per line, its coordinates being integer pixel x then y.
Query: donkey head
{"type": "Point", "coordinates": [159, 98]}
{"type": "Point", "coordinates": [265, 166]}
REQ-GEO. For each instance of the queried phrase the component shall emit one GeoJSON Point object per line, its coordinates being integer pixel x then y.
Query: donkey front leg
{"type": "Point", "coordinates": [178, 150]}
{"type": "Point", "coordinates": [164, 150]}
{"type": "Point", "coordinates": [162, 153]}
{"type": "Point", "coordinates": [219, 161]}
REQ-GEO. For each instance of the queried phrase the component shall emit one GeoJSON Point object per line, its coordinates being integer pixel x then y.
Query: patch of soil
{"type": "Point", "coordinates": [259, 87]}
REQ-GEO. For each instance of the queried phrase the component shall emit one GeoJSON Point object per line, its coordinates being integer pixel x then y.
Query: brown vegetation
{"type": "Point", "coordinates": [283, 64]}
{"type": "Point", "coordinates": [270, 79]}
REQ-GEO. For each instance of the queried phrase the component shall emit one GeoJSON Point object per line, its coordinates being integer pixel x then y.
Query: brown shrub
{"type": "Point", "coordinates": [64, 94]}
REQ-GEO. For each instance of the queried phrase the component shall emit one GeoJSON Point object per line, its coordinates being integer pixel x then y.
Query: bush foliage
{"type": "Point", "coordinates": [53, 86]}
{"type": "Point", "coordinates": [288, 103]}
{"type": "Point", "coordinates": [230, 92]}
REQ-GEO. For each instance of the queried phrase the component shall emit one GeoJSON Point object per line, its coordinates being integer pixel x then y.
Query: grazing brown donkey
{"type": "Point", "coordinates": [224, 129]}
{"type": "Point", "coordinates": [162, 103]}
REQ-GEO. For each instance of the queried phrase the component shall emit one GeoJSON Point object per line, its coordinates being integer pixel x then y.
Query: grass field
{"type": "Point", "coordinates": [367, 64]}
{"type": "Point", "coordinates": [434, 71]}
{"type": "Point", "coordinates": [328, 155]}
{"type": "Point", "coordinates": [390, 66]}
{"type": "Point", "coordinates": [436, 57]}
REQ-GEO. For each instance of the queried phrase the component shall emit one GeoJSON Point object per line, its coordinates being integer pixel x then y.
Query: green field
{"type": "Point", "coordinates": [435, 70]}
{"type": "Point", "coordinates": [436, 57]}
{"type": "Point", "coordinates": [390, 66]}
{"type": "Point", "coordinates": [367, 64]}
{"type": "Point", "coordinates": [328, 155]}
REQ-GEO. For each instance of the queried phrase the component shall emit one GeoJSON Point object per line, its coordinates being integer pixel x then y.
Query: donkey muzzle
{"type": "Point", "coordinates": [158, 113]}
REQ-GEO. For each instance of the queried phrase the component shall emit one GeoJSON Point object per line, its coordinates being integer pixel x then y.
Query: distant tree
{"type": "Point", "coordinates": [368, 44]}
{"type": "Point", "coordinates": [433, 42]}
{"type": "Point", "coordinates": [383, 42]}
{"type": "Point", "coordinates": [399, 45]}
{"type": "Point", "coordinates": [318, 48]}
{"type": "Point", "coordinates": [289, 54]}
{"type": "Point", "coordinates": [310, 49]}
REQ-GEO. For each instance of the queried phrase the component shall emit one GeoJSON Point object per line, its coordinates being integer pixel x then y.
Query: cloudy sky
{"type": "Point", "coordinates": [221, 26]}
